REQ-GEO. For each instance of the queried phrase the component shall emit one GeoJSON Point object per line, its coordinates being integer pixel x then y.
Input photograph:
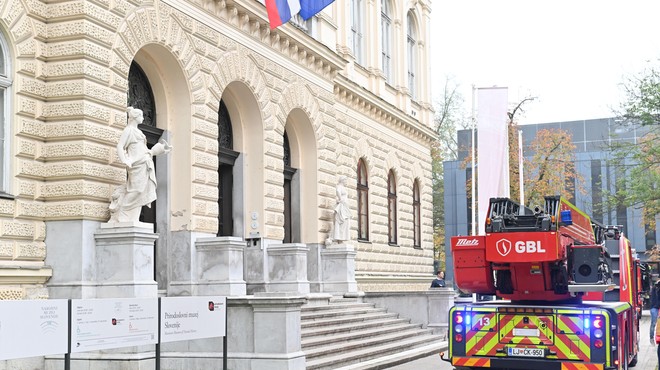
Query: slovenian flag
{"type": "Point", "coordinates": [308, 8]}
{"type": "Point", "coordinates": [280, 11]}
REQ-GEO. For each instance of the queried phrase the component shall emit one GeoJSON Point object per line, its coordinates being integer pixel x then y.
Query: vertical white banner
{"type": "Point", "coordinates": [492, 148]}
{"type": "Point", "coordinates": [521, 169]}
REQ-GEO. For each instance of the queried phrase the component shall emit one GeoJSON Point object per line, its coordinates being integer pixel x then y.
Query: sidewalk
{"type": "Point", "coordinates": [647, 356]}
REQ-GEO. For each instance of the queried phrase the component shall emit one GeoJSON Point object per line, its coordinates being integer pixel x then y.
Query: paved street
{"type": "Point", "coordinates": [647, 354]}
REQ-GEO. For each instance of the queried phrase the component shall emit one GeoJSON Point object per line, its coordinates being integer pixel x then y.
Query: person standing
{"type": "Point", "coordinates": [655, 305]}
{"type": "Point", "coordinates": [439, 281]}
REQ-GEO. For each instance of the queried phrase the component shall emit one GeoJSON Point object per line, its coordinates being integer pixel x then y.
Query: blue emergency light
{"type": "Point", "coordinates": [566, 218]}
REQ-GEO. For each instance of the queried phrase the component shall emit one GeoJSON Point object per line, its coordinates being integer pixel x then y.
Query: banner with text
{"type": "Point", "coordinates": [186, 318]}
{"type": "Point", "coordinates": [113, 323]}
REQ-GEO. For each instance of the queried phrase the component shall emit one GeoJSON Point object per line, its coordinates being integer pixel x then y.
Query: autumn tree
{"type": "Point", "coordinates": [449, 116]}
{"type": "Point", "coordinates": [551, 169]}
{"type": "Point", "coordinates": [514, 153]}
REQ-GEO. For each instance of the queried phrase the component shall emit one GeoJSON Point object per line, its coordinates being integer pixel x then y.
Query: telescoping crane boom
{"type": "Point", "coordinates": [568, 288]}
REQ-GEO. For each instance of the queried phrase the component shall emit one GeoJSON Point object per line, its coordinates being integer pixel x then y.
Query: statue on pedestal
{"type": "Point", "coordinates": [140, 187]}
{"type": "Point", "coordinates": [341, 229]}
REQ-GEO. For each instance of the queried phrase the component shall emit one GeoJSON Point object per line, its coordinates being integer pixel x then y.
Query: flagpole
{"type": "Point", "coordinates": [473, 187]}
{"type": "Point", "coordinates": [520, 169]}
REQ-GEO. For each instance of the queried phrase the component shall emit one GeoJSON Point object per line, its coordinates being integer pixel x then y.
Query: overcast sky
{"type": "Point", "coordinates": [572, 55]}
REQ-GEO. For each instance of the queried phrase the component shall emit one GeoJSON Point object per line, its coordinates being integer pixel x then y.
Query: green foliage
{"type": "Point", "coordinates": [640, 160]}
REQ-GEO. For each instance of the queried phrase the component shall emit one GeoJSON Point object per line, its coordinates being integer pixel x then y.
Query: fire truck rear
{"type": "Point", "coordinates": [568, 292]}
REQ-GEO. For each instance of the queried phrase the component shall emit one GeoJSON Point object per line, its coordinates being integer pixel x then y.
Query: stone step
{"type": "Point", "coordinates": [351, 344]}
{"type": "Point", "coordinates": [339, 312]}
{"type": "Point", "coordinates": [342, 357]}
{"type": "Point", "coordinates": [398, 358]}
{"type": "Point", "coordinates": [337, 329]}
{"type": "Point", "coordinates": [336, 306]}
{"type": "Point", "coordinates": [315, 339]}
{"type": "Point", "coordinates": [305, 324]}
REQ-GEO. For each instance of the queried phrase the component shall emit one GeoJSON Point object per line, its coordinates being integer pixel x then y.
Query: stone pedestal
{"type": "Point", "coordinates": [338, 268]}
{"type": "Point", "coordinates": [440, 301]}
{"type": "Point", "coordinates": [277, 339]}
{"type": "Point", "coordinates": [219, 269]}
{"type": "Point", "coordinates": [287, 268]}
{"type": "Point", "coordinates": [125, 261]}
{"type": "Point", "coordinates": [124, 268]}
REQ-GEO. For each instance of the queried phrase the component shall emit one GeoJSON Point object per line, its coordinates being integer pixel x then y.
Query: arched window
{"type": "Point", "coordinates": [412, 56]}
{"type": "Point", "coordinates": [363, 201]}
{"type": "Point", "coordinates": [417, 229]}
{"type": "Point", "coordinates": [357, 30]}
{"type": "Point", "coordinates": [386, 40]}
{"type": "Point", "coordinates": [391, 208]}
{"type": "Point", "coordinates": [5, 104]}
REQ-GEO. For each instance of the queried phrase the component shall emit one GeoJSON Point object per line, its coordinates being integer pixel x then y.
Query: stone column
{"type": "Point", "coordinates": [287, 268]}
{"type": "Point", "coordinates": [219, 269]}
{"type": "Point", "coordinates": [125, 261]}
{"type": "Point", "coordinates": [338, 268]}
{"type": "Point", "coordinates": [440, 301]}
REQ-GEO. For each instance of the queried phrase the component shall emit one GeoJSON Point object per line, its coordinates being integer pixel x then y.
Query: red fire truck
{"type": "Point", "coordinates": [568, 292]}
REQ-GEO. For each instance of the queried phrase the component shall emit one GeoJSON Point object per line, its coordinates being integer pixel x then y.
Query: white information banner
{"type": "Point", "coordinates": [113, 323]}
{"type": "Point", "coordinates": [33, 328]}
{"type": "Point", "coordinates": [186, 318]}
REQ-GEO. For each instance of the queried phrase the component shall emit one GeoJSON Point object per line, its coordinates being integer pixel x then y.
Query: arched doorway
{"type": "Point", "coordinates": [290, 235]}
{"type": "Point", "coordinates": [140, 96]}
{"type": "Point", "coordinates": [226, 159]}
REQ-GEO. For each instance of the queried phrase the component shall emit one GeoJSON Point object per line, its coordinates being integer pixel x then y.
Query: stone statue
{"type": "Point", "coordinates": [342, 220]}
{"type": "Point", "coordinates": [140, 187]}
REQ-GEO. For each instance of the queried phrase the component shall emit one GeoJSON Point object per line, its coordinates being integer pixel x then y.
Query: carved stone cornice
{"type": "Point", "coordinates": [19, 275]}
{"type": "Point", "coordinates": [380, 110]}
{"type": "Point", "coordinates": [251, 19]}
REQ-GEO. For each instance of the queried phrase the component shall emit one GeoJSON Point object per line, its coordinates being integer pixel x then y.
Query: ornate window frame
{"type": "Point", "coordinates": [417, 205]}
{"type": "Point", "coordinates": [391, 209]}
{"type": "Point", "coordinates": [363, 201]}
{"type": "Point", "coordinates": [6, 83]}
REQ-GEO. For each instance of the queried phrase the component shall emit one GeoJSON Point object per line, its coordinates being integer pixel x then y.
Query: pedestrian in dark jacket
{"type": "Point", "coordinates": [655, 305]}
{"type": "Point", "coordinates": [439, 282]}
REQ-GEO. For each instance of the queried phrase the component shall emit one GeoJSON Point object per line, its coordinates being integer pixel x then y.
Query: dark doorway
{"type": "Point", "coordinates": [226, 159]}
{"type": "Point", "coordinates": [288, 178]}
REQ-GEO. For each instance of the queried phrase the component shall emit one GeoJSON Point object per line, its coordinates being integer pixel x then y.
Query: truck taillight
{"type": "Point", "coordinates": [458, 337]}
{"type": "Point", "coordinates": [598, 343]}
{"type": "Point", "coordinates": [458, 318]}
{"type": "Point", "coordinates": [598, 322]}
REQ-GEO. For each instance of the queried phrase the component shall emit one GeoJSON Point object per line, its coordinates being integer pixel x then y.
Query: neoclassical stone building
{"type": "Point", "coordinates": [263, 122]}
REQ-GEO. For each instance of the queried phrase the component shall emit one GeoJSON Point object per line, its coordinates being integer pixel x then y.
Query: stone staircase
{"type": "Point", "coordinates": [348, 334]}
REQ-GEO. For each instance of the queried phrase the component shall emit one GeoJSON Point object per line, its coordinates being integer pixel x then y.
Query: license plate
{"type": "Point", "coordinates": [519, 332]}
{"type": "Point", "coordinates": [526, 352]}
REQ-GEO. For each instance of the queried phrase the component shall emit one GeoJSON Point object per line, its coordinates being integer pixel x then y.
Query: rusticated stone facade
{"type": "Point", "coordinates": [70, 64]}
